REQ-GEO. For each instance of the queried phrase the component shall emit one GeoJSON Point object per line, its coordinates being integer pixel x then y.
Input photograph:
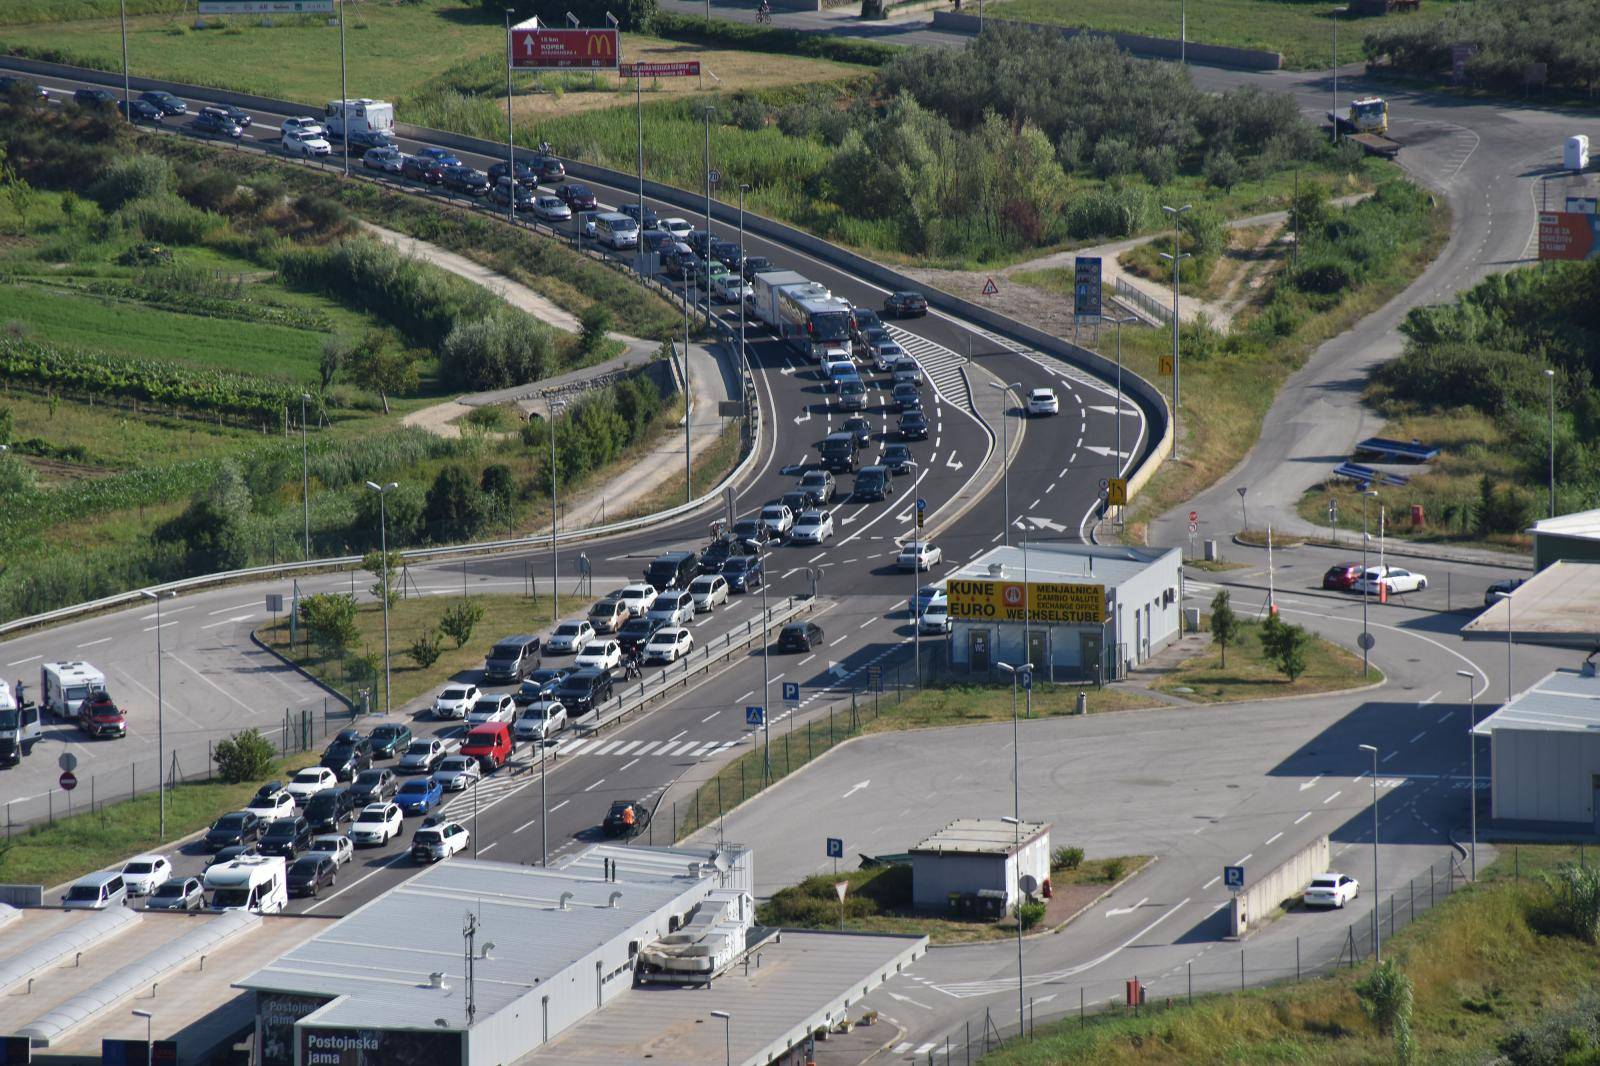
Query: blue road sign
{"type": "Point", "coordinates": [755, 715]}
{"type": "Point", "coordinates": [1026, 677]}
{"type": "Point", "coordinates": [1233, 876]}
{"type": "Point", "coordinates": [791, 691]}
{"type": "Point", "coordinates": [922, 504]}
{"type": "Point", "coordinates": [835, 848]}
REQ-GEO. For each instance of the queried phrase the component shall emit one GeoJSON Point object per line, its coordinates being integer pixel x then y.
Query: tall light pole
{"type": "Point", "coordinates": [766, 683]}
{"type": "Point", "coordinates": [1377, 935]}
{"type": "Point", "coordinates": [161, 735]}
{"type": "Point", "coordinates": [1176, 257]}
{"type": "Point", "coordinates": [544, 808]}
{"type": "Point", "coordinates": [1183, 33]}
{"type": "Point", "coordinates": [638, 101]}
{"type": "Point", "coordinates": [916, 557]}
{"type": "Point", "coordinates": [383, 546]}
{"type": "Point", "coordinates": [1005, 456]}
{"type": "Point", "coordinates": [1551, 374]}
{"type": "Point", "coordinates": [511, 141]}
{"type": "Point", "coordinates": [744, 361]}
{"type": "Point", "coordinates": [305, 472]}
{"type": "Point", "coordinates": [1118, 321]}
{"type": "Point", "coordinates": [1366, 636]}
{"type": "Point", "coordinates": [727, 1039]}
{"type": "Point", "coordinates": [344, 92]}
{"type": "Point", "coordinates": [709, 111]}
{"type": "Point", "coordinates": [127, 93]}
{"type": "Point", "coordinates": [1472, 751]}
{"type": "Point", "coordinates": [149, 1034]}
{"type": "Point", "coordinates": [1336, 12]}
{"type": "Point", "coordinates": [555, 570]}
{"type": "Point", "coordinates": [1016, 820]}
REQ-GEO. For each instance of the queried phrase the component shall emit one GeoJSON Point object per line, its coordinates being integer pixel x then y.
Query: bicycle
{"type": "Point", "coordinates": [764, 15]}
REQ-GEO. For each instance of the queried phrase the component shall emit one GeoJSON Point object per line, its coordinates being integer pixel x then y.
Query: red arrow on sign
{"type": "Point", "coordinates": [69, 780]}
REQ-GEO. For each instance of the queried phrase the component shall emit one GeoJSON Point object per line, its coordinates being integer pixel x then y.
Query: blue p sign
{"type": "Point", "coordinates": [755, 715]}
{"type": "Point", "coordinates": [1026, 678]}
{"type": "Point", "coordinates": [1233, 876]}
{"type": "Point", "coordinates": [835, 848]}
{"type": "Point", "coordinates": [791, 691]}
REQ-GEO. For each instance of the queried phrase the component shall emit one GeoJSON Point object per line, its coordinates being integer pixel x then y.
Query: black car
{"type": "Point", "coordinates": [358, 141]}
{"type": "Point", "coordinates": [700, 241]}
{"type": "Point", "coordinates": [863, 319]}
{"type": "Point", "coordinates": [550, 168]}
{"type": "Point", "coordinates": [286, 836]}
{"type": "Point", "coordinates": [311, 873]}
{"type": "Point", "coordinates": [216, 121]}
{"type": "Point", "coordinates": [266, 792]}
{"type": "Point", "coordinates": [726, 253]}
{"type": "Point", "coordinates": [583, 690]}
{"type": "Point", "coordinates": [94, 98]}
{"type": "Point", "coordinates": [797, 501]}
{"type": "Point", "coordinates": [636, 633]}
{"type": "Point", "coordinates": [744, 572]}
{"type": "Point", "coordinates": [466, 180]}
{"type": "Point", "coordinates": [544, 680]}
{"type": "Point", "coordinates": [419, 168]}
{"type": "Point", "coordinates": [717, 553]}
{"type": "Point", "coordinates": [577, 196]}
{"type": "Point", "coordinates": [914, 426]}
{"type": "Point", "coordinates": [752, 530]}
{"type": "Point", "coordinates": [141, 111]}
{"type": "Point", "coordinates": [682, 267]}
{"type": "Point", "coordinates": [799, 636]}
{"type": "Point", "coordinates": [164, 102]}
{"type": "Point", "coordinates": [905, 397]}
{"type": "Point", "coordinates": [501, 194]}
{"type": "Point", "coordinates": [240, 116]}
{"type": "Point", "coordinates": [348, 756]}
{"type": "Point", "coordinates": [897, 458]}
{"type": "Point", "coordinates": [231, 830]}
{"type": "Point", "coordinates": [10, 84]}
{"type": "Point", "coordinates": [651, 219]}
{"type": "Point", "coordinates": [756, 264]}
{"type": "Point", "coordinates": [373, 786]}
{"type": "Point", "coordinates": [389, 740]}
{"type": "Point", "coordinates": [527, 176]}
{"type": "Point", "coordinates": [861, 428]}
{"type": "Point", "coordinates": [233, 851]}
{"type": "Point", "coordinates": [626, 818]}
{"type": "Point", "coordinates": [325, 810]}
{"type": "Point", "coordinates": [905, 305]}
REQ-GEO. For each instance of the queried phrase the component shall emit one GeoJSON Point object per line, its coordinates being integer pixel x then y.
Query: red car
{"type": "Point", "coordinates": [99, 716]}
{"type": "Point", "coordinates": [1342, 577]}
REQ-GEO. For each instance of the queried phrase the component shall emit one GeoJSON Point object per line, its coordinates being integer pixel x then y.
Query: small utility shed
{"type": "Point", "coordinates": [1544, 750]}
{"type": "Point", "coordinates": [979, 855]}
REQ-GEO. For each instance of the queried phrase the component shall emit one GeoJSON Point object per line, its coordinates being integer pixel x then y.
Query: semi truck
{"type": "Point", "coordinates": [762, 301]}
{"type": "Point", "coordinates": [1366, 123]}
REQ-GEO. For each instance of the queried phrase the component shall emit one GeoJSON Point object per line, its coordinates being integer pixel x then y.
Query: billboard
{"type": "Point", "coordinates": [539, 48]}
{"type": "Point", "coordinates": [1568, 235]}
{"type": "Point", "coordinates": [687, 69]}
{"type": "Point", "coordinates": [1045, 602]}
{"type": "Point", "coordinates": [1086, 286]}
{"type": "Point", "coordinates": [266, 7]}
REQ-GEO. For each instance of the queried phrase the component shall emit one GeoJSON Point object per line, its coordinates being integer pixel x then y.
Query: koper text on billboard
{"type": "Point", "coordinates": [546, 49]}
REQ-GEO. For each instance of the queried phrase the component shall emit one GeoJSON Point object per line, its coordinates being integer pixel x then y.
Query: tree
{"type": "Point", "coordinates": [331, 618]}
{"type": "Point", "coordinates": [380, 364]}
{"type": "Point", "coordinates": [496, 483]}
{"type": "Point", "coordinates": [1386, 999]}
{"type": "Point", "coordinates": [400, 510]}
{"type": "Point", "coordinates": [1285, 645]}
{"type": "Point", "coordinates": [455, 508]}
{"type": "Point", "coordinates": [211, 528]}
{"type": "Point", "coordinates": [383, 567]}
{"type": "Point", "coordinates": [425, 649]}
{"type": "Point", "coordinates": [460, 620]}
{"type": "Point", "coordinates": [245, 756]}
{"type": "Point", "coordinates": [595, 321]}
{"type": "Point", "coordinates": [20, 194]}
{"type": "Point", "coordinates": [334, 353]}
{"type": "Point", "coordinates": [1224, 623]}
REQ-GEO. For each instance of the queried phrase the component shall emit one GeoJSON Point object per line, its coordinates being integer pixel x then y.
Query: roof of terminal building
{"type": "Point", "coordinates": [1578, 524]}
{"type": "Point", "coordinates": [1558, 605]}
{"type": "Point", "coordinates": [380, 957]}
{"type": "Point", "coordinates": [1063, 562]}
{"type": "Point", "coordinates": [980, 836]}
{"type": "Point", "coordinates": [1567, 701]}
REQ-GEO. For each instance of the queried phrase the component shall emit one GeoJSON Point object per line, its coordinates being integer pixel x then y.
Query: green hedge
{"type": "Point", "coordinates": [772, 39]}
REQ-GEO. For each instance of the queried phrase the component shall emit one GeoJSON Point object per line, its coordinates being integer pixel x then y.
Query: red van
{"type": "Point", "coordinates": [490, 744]}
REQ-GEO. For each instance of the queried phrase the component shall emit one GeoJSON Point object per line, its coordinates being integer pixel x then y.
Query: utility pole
{"type": "Point", "coordinates": [344, 92]}
{"type": "Point", "coordinates": [511, 140]}
{"type": "Point", "coordinates": [555, 568]}
{"type": "Point", "coordinates": [1176, 257]}
{"type": "Point", "coordinates": [305, 472]}
{"type": "Point", "coordinates": [383, 571]}
{"type": "Point", "coordinates": [127, 93]}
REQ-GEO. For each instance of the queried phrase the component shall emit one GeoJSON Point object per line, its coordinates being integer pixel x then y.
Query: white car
{"type": "Point", "coordinates": [778, 519]}
{"type": "Point", "coordinates": [457, 772]}
{"type": "Point", "coordinates": [143, 874]}
{"type": "Point", "coordinates": [570, 636]}
{"type": "Point", "coordinates": [304, 126]}
{"type": "Point", "coordinates": [604, 654]}
{"type": "Point", "coordinates": [888, 355]}
{"type": "Point", "coordinates": [491, 709]}
{"type": "Point", "coordinates": [378, 823]}
{"type": "Point", "coordinates": [336, 847]}
{"type": "Point", "coordinates": [1043, 402]}
{"type": "Point", "coordinates": [637, 598]}
{"type": "Point", "coordinates": [731, 288]}
{"type": "Point", "coordinates": [1396, 579]}
{"type": "Point", "coordinates": [541, 720]}
{"type": "Point", "coordinates": [310, 781]}
{"type": "Point", "coordinates": [434, 843]}
{"type": "Point", "coordinates": [812, 527]}
{"type": "Point", "coordinates": [678, 227]}
{"type": "Point", "coordinates": [270, 808]}
{"type": "Point", "coordinates": [455, 701]}
{"type": "Point", "coordinates": [668, 645]}
{"type": "Point", "coordinates": [307, 145]}
{"type": "Point", "coordinates": [936, 619]}
{"type": "Point", "coordinates": [708, 591]}
{"type": "Point", "coordinates": [421, 755]}
{"type": "Point", "coordinates": [551, 209]}
{"type": "Point", "coordinates": [919, 555]}
{"type": "Point", "coordinates": [1332, 890]}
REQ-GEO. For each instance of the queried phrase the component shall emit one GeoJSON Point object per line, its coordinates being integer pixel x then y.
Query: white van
{"type": "Point", "coordinates": [258, 883]}
{"type": "Point", "coordinates": [616, 230]}
{"type": "Point", "coordinates": [64, 686]}
{"type": "Point", "coordinates": [19, 727]}
{"type": "Point", "coordinates": [96, 892]}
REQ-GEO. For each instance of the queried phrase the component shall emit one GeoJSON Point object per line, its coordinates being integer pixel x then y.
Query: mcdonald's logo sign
{"type": "Point", "coordinates": [547, 49]}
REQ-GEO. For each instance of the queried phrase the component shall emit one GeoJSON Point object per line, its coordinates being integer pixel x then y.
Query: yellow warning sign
{"type": "Point", "coordinates": [1117, 492]}
{"type": "Point", "coordinates": [1012, 601]}
{"type": "Point", "coordinates": [1166, 364]}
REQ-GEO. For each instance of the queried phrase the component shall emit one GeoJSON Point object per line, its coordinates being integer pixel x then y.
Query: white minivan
{"type": "Point", "coordinates": [616, 230]}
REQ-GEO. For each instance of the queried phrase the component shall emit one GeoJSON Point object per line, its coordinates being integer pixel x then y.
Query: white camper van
{"type": "Point", "coordinates": [258, 883]}
{"type": "Point", "coordinates": [65, 685]}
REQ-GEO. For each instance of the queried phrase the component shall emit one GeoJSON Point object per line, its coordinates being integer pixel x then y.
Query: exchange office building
{"type": "Point", "coordinates": [1077, 612]}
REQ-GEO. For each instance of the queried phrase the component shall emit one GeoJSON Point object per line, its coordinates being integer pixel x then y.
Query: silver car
{"type": "Point", "coordinates": [180, 894]}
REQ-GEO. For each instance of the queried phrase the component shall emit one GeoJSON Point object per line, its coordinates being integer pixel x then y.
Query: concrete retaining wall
{"type": "Point", "coordinates": [1263, 895]}
{"type": "Point", "coordinates": [1214, 55]}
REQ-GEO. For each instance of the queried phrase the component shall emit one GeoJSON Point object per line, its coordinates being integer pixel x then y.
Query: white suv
{"type": "Point", "coordinates": [306, 144]}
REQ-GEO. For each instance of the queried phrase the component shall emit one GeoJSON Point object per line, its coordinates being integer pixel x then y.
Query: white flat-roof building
{"type": "Point", "coordinates": [980, 859]}
{"type": "Point", "coordinates": [1544, 753]}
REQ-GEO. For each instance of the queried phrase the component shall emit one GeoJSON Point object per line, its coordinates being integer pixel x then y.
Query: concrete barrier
{"type": "Point", "coordinates": [1284, 883]}
{"type": "Point", "coordinates": [1213, 55]}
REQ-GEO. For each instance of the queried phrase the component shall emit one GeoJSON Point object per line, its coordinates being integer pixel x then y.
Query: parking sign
{"type": "Point", "coordinates": [1233, 877]}
{"type": "Point", "coordinates": [835, 848]}
{"type": "Point", "coordinates": [791, 691]}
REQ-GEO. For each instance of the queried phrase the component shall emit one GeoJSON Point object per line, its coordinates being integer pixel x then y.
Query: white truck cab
{"type": "Point", "coordinates": [19, 727]}
{"type": "Point", "coordinates": [258, 883]}
{"type": "Point", "coordinates": [63, 686]}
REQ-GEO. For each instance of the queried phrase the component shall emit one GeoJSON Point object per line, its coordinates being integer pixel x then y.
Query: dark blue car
{"type": "Point", "coordinates": [743, 572]}
{"type": "Point", "coordinates": [439, 156]}
{"type": "Point", "coordinates": [419, 795]}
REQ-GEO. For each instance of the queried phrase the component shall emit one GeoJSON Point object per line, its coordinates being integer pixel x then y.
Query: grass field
{"type": "Point", "coordinates": [1301, 30]}
{"type": "Point", "coordinates": [1249, 676]}
{"type": "Point", "coordinates": [1484, 963]}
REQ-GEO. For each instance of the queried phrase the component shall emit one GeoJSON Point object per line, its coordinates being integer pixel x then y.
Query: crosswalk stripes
{"type": "Point", "coordinates": [905, 1046]}
{"type": "Point", "coordinates": [695, 748]}
{"type": "Point", "coordinates": [942, 366]}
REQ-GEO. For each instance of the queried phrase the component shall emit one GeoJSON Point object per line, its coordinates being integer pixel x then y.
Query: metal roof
{"type": "Point", "coordinates": [980, 836]}
{"type": "Point", "coordinates": [1582, 524]}
{"type": "Point", "coordinates": [1064, 562]}
{"type": "Point", "coordinates": [380, 958]}
{"type": "Point", "coordinates": [1558, 605]}
{"type": "Point", "coordinates": [1567, 701]}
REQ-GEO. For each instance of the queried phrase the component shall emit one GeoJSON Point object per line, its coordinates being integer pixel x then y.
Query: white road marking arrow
{"type": "Point", "coordinates": [1110, 409]}
{"type": "Point", "coordinates": [1308, 784]}
{"type": "Point", "coordinates": [848, 519]}
{"type": "Point", "coordinates": [1044, 999]}
{"type": "Point", "coordinates": [952, 464]}
{"type": "Point", "coordinates": [1045, 523]}
{"type": "Point", "coordinates": [914, 1003]}
{"type": "Point", "coordinates": [1100, 450]}
{"type": "Point", "coordinates": [857, 787]}
{"type": "Point", "coordinates": [806, 417]}
{"type": "Point", "coordinates": [1113, 912]}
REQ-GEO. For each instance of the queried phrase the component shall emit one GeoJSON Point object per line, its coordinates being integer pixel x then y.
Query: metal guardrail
{"type": "Point", "coordinates": [1142, 302]}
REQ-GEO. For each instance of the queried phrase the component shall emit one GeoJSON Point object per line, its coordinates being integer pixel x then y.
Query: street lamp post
{"type": "Point", "coordinates": [1366, 636]}
{"type": "Point", "coordinates": [383, 546]}
{"type": "Point", "coordinates": [511, 141]}
{"type": "Point", "coordinates": [544, 808]}
{"type": "Point", "coordinates": [1016, 820]}
{"type": "Point", "coordinates": [766, 684]}
{"type": "Point", "coordinates": [1118, 321]}
{"type": "Point", "coordinates": [149, 1034]}
{"type": "Point", "coordinates": [127, 93]}
{"type": "Point", "coordinates": [344, 92]}
{"type": "Point", "coordinates": [727, 1038]}
{"type": "Point", "coordinates": [1472, 760]}
{"type": "Point", "coordinates": [1176, 257]}
{"type": "Point", "coordinates": [1551, 374]}
{"type": "Point", "coordinates": [1377, 935]}
{"type": "Point", "coordinates": [1336, 12]}
{"type": "Point", "coordinates": [916, 559]}
{"type": "Point", "coordinates": [305, 472]}
{"type": "Point", "coordinates": [1005, 456]}
{"type": "Point", "coordinates": [709, 111]}
{"type": "Point", "coordinates": [744, 360]}
{"type": "Point", "coordinates": [161, 736]}
{"type": "Point", "coordinates": [555, 572]}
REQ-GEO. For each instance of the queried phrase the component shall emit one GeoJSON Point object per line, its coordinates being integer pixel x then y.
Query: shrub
{"type": "Point", "coordinates": [1030, 912]}
{"type": "Point", "coordinates": [1067, 858]}
{"type": "Point", "coordinates": [1114, 870]}
{"type": "Point", "coordinates": [503, 349]}
{"type": "Point", "coordinates": [595, 322]}
{"type": "Point", "coordinates": [459, 620]}
{"type": "Point", "coordinates": [245, 756]}
{"type": "Point", "coordinates": [1285, 645]}
{"type": "Point", "coordinates": [325, 214]}
{"type": "Point", "coordinates": [1386, 999]}
{"type": "Point", "coordinates": [455, 509]}
{"type": "Point", "coordinates": [331, 619]}
{"type": "Point", "coordinates": [132, 178]}
{"type": "Point", "coordinates": [425, 650]}
{"type": "Point", "coordinates": [165, 219]}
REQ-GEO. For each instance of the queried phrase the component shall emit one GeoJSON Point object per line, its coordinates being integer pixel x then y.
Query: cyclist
{"type": "Point", "coordinates": [764, 12]}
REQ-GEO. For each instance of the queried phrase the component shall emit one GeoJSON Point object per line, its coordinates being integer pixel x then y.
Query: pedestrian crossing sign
{"type": "Point", "coordinates": [755, 715]}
